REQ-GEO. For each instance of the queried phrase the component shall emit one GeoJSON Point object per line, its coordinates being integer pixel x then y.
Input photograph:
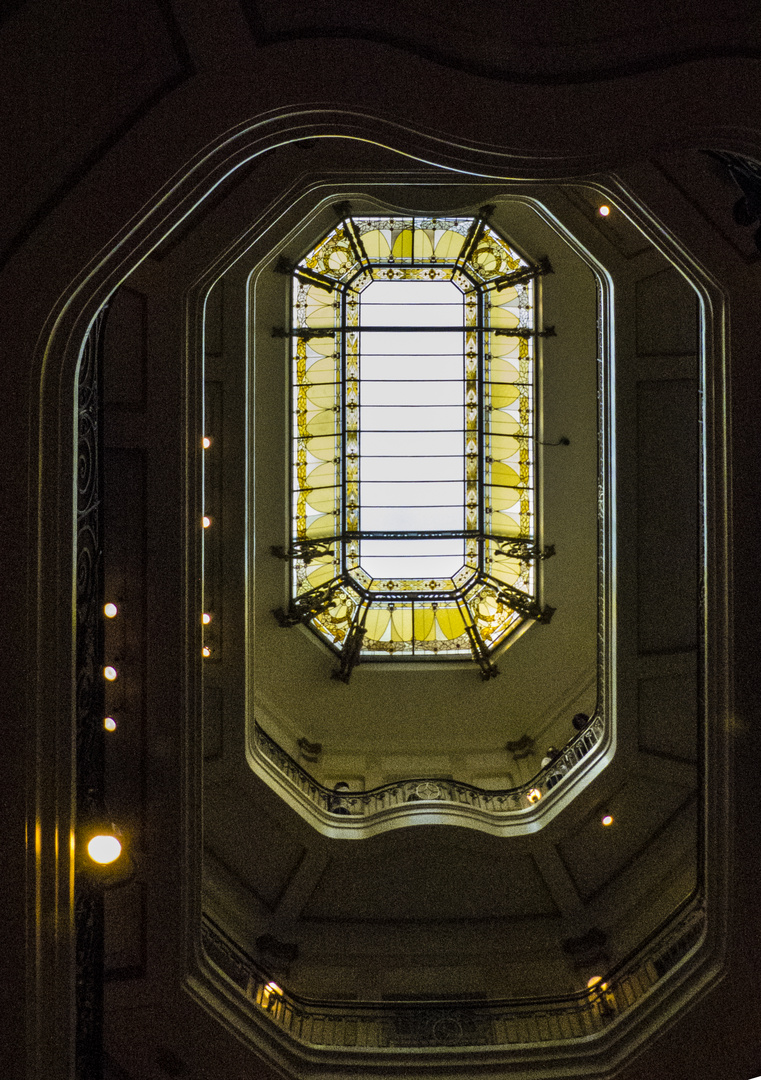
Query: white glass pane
{"type": "Point", "coordinates": [437, 493]}
{"type": "Point", "coordinates": [452, 547]}
{"type": "Point", "coordinates": [417, 565]}
{"type": "Point", "coordinates": [425, 394]}
{"type": "Point", "coordinates": [411, 443]}
{"type": "Point", "coordinates": [410, 519]}
{"type": "Point", "coordinates": [401, 367]}
{"type": "Point", "coordinates": [435, 343]}
{"type": "Point", "coordinates": [420, 469]}
{"type": "Point", "coordinates": [396, 558]}
{"type": "Point", "coordinates": [411, 303]}
{"type": "Point", "coordinates": [441, 418]}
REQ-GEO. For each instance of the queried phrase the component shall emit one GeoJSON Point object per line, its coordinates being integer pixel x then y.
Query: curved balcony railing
{"type": "Point", "coordinates": [446, 793]}
{"type": "Point", "coordinates": [394, 1026]}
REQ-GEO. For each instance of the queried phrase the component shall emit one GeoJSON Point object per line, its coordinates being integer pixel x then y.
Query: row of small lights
{"type": "Point", "coordinates": [105, 848]}
{"type": "Point", "coordinates": [206, 442]}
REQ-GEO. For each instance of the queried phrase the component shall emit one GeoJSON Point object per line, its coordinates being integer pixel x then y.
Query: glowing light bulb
{"type": "Point", "coordinates": [109, 723]}
{"type": "Point", "coordinates": [607, 819]}
{"type": "Point", "coordinates": [603, 211]}
{"type": "Point", "coordinates": [110, 611]}
{"type": "Point", "coordinates": [206, 618]}
{"type": "Point", "coordinates": [110, 673]}
{"type": "Point", "coordinates": [206, 521]}
{"type": "Point", "coordinates": [534, 795]}
{"type": "Point", "coordinates": [206, 651]}
{"type": "Point", "coordinates": [206, 442]}
{"type": "Point", "coordinates": [104, 849]}
{"type": "Point", "coordinates": [594, 981]}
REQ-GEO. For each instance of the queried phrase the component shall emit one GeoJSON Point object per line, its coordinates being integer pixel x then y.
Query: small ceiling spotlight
{"type": "Point", "coordinates": [206, 618]}
{"type": "Point", "coordinates": [109, 723]}
{"type": "Point", "coordinates": [110, 673]}
{"type": "Point", "coordinates": [206, 521]}
{"type": "Point", "coordinates": [206, 442]}
{"type": "Point", "coordinates": [607, 819]}
{"type": "Point", "coordinates": [534, 795]}
{"type": "Point", "coordinates": [603, 210]}
{"type": "Point", "coordinates": [206, 651]}
{"type": "Point", "coordinates": [104, 848]}
{"type": "Point", "coordinates": [110, 611]}
{"type": "Point", "coordinates": [596, 983]}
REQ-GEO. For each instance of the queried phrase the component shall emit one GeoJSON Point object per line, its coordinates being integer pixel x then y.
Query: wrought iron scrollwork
{"type": "Point", "coordinates": [89, 920]}
{"type": "Point", "coordinates": [301, 609]}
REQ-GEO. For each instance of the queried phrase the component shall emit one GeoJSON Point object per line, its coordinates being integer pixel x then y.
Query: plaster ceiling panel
{"type": "Point", "coordinates": [667, 715]}
{"type": "Point", "coordinates": [430, 874]}
{"type": "Point", "coordinates": [642, 810]}
{"type": "Point", "coordinates": [666, 315]}
{"type": "Point", "coordinates": [249, 843]}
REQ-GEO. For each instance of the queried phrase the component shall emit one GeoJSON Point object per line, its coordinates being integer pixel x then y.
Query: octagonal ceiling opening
{"type": "Point", "coordinates": [413, 396]}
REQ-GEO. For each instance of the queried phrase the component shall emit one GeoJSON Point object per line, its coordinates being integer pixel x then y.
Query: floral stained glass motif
{"type": "Point", "coordinates": [413, 344]}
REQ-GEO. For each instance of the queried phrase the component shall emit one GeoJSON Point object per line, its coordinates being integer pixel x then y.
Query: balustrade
{"type": "Point", "coordinates": [366, 804]}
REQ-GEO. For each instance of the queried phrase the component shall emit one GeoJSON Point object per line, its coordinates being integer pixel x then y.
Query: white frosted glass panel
{"type": "Point", "coordinates": [441, 418]}
{"type": "Point", "coordinates": [411, 420]}
{"type": "Point", "coordinates": [410, 519]}
{"type": "Point", "coordinates": [411, 303]}
{"type": "Point", "coordinates": [411, 343]}
{"type": "Point", "coordinates": [420, 469]}
{"type": "Point", "coordinates": [411, 494]}
{"type": "Point", "coordinates": [417, 565]}
{"type": "Point", "coordinates": [411, 444]}
{"type": "Point", "coordinates": [452, 547]}
{"type": "Point", "coordinates": [440, 392]}
{"type": "Point", "coordinates": [402, 367]}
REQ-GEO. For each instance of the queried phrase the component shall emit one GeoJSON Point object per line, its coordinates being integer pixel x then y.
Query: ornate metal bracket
{"type": "Point", "coordinates": [301, 609]}
{"type": "Point", "coordinates": [524, 605]}
{"type": "Point", "coordinates": [305, 551]}
{"type": "Point", "coordinates": [521, 333]}
{"type": "Point", "coordinates": [350, 654]}
{"type": "Point", "coordinates": [525, 550]}
{"type": "Point", "coordinates": [747, 176]}
{"type": "Point", "coordinates": [305, 276]}
{"type": "Point", "coordinates": [519, 276]}
{"type": "Point", "coordinates": [488, 669]}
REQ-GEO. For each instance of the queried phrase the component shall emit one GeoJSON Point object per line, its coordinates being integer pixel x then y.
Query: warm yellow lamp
{"type": "Point", "coordinates": [104, 848]}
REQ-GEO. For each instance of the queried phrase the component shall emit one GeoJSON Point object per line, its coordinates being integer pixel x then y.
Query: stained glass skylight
{"type": "Point", "coordinates": [413, 344]}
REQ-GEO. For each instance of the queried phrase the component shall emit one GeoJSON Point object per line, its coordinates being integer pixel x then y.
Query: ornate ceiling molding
{"type": "Point", "coordinates": [533, 47]}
